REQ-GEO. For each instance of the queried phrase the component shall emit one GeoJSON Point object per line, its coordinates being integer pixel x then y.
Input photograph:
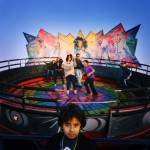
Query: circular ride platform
{"type": "Point", "coordinates": [30, 105]}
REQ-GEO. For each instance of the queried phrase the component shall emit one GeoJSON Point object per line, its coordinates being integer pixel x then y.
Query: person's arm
{"type": "Point", "coordinates": [129, 75]}
{"type": "Point", "coordinates": [82, 65]}
{"type": "Point", "coordinates": [74, 63]}
{"type": "Point", "coordinates": [90, 73]}
{"type": "Point", "coordinates": [46, 62]}
{"type": "Point", "coordinates": [83, 73]}
{"type": "Point", "coordinates": [65, 67]}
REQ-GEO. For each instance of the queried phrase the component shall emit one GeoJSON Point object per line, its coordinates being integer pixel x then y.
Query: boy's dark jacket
{"type": "Point", "coordinates": [83, 143]}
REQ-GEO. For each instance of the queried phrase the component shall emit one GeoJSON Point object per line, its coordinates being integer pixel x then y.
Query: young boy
{"type": "Point", "coordinates": [89, 72]}
{"type": "Point", "coordinates": [71, 119]}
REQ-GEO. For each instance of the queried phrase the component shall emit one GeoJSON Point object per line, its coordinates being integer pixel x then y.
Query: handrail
{"type": "Point", "coordinates": [26, 87]}
{"type": "Point", "coordinates": [98, 140]}
{"type": "Point", "coordinates": [133, 89]}
{"type": "Point", "coordinates": [25, 105]}
{"type": "Point", "coordinates": [23, 62]}
{"type": "Point", "coordinates": [143, 99]}
{"type": "Point", "coordinates": [22, 99]}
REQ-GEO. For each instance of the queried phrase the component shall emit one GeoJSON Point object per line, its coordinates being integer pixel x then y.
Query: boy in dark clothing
{"type": "Point", "coordinates": [78, 69]}
{"type": "Point", "coordinates": [72, 119]}
{"type": "Point", "coordinates": [124, 75]}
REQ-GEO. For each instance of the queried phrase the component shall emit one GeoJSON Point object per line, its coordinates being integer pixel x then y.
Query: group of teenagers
{"type": "Point", "coordinates": [73, 69]}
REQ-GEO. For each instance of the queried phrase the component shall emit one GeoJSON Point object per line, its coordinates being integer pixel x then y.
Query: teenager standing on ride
{"type": "Point", "coordinates": [68, 67]}
{"type": "Point", "coordinates": [89, 81]}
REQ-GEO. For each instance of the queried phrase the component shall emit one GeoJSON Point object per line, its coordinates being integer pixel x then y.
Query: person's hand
{"type": "Point", "coordinates": [88, 74]}
{"type": "Point", "coordinates": [128, 77]}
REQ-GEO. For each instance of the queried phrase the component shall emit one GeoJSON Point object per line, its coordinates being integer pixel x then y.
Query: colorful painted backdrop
{"type": "Point", "coordinates": [117, 44]}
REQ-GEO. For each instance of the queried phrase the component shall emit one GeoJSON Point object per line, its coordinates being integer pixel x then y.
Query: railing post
{"type": "Point", "coordinates": [8, 65]}
{"type": "Point", "coordinates": [23, 98]}
{"type": "Point", "coordinates": [147, 97]}
{"type": "Point", "coordinates": [57, 104]}
{"type": "Point", "coordinates": [147, 70]}
{"type": "Point", "coordinates": [148, 93]}
{"type": "Point", "coordinates": [118, 100]}
{"type": "Point", "coordinates": [20, 63]}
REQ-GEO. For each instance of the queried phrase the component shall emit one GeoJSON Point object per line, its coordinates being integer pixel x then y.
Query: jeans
{"type": "Point", "coordinates": [122, 81]}
{"type": "Point", "coordinates": [71, 79]}
{"type": "Point", "coordinates": [59, 73]}
{"type": "Point", "coordinates": [78, 73]}
{"type": "Point", "coordinates": [90, 81]}
{"type": "Point", "coordinates": [50, 72]}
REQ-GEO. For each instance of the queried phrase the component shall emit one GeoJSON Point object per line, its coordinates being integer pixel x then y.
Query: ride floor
{"type": "Point", "coordinates": [93, 105]}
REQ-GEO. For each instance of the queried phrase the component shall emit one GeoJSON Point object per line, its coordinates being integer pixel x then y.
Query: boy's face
{"type": "Point", "coordinates": [71, 128]}
{"type": "Point", "coordinates": [84, 63]}
{"type": "Point", "coordinates": [78, 56]}
{"type": "Point", "coordinates": [124, 65]}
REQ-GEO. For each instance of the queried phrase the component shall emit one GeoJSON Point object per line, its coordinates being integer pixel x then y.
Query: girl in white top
{"type": "Point", "coordinates": [69, 71]}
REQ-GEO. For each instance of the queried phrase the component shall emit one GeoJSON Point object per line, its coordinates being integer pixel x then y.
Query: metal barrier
{"type": "Point", "coordinates": [23, 100]}
{"type": "Point", "coordinates": [18, 63]}
{"type": "Point", "coordinates": [98, 140]}
{"type": "Point", "coordinates": [102, 142]}
{"type": "Point", "coordinates": [143, 99]}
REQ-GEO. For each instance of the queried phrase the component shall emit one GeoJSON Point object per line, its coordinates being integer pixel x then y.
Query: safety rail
{"type": "Point", "coordinates": [142, 99]}
{"type": "Point", "coordinates": [30, 103]}
{"type": "Point", "coordinates": [18, 63]}
{"type": "Point", "coordinates": [23, 102]}
{"type": "Point", "coordinates": [99, 140]}
{"type": "Point", "coordinates": [119, 141]}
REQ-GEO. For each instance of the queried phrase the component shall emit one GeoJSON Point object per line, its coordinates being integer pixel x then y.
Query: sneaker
{"type": "Point", "coordinates": [67, 92]}
{"type": "Point", "coordinates": [75, 91]}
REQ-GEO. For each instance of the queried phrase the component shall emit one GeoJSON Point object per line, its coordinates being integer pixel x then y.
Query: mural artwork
{"type": "Point", "coordinates": [117, 44]}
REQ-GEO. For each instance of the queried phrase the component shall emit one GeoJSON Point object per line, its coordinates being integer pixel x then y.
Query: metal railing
{"type": "Point", "coordinates": [142, 98]}
{"type": "Point", "coordinates": [18, 63]}
{"type": "Point", "coordinates": [29, 103]}
{"type": "Point", "coordinates": [104, 142]}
